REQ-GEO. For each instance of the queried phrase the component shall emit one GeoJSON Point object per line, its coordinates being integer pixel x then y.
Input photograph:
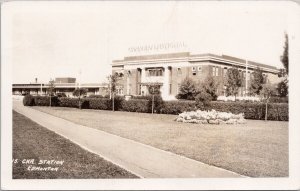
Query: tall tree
{"type": "Point", "coordinates": [267, 91]}
{"type": "Point", "coordinates": [154, 90]}
{"type": "Point", "coordinates": [257, 82]}
{"type": "Point", "coordinates": [187, 89]}
{"type": "Point", "coordinates": [51, 89]}
{"type": "Point", "coordinates": [285, 56]}
{"type": "Point", "coordinates": [113, 83]}
{"type": "Point", "coordinates": [233, 82]}
{"type": "Point", "coordinates": [79, 92]}
{"type": "Point", "coordinates": [282, 87]}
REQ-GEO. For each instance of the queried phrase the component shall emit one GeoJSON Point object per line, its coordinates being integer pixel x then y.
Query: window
{"type": "Point", "coordinates": [194, 71]}
{"type": "Point", "coordinates": [214, 71]}
{"type": "Point", "coordinates": [199, 68]}
{"type": "Point", "coordinates": [217, 71]}
{"type": "Point", "coordinates": [140, 88]}
{"type": "Point", "coordinates": [179, 72]}
{"type": "Point", "coordinates": [155, 72]}
{"type": "Point", "coordinates": [178, 88]}
{"type": "Point", "coordinates": [170, 89]}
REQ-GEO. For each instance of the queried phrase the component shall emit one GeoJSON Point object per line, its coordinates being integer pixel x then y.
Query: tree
{"type": "Point", "coordinates": [285, 56]}
{"type": "Point", "coordinates": [282, 88]}
{"type": "Point", "coordinates": [51, 89]}
{"type": "Point", "coordinates": [210, 86]}
{"type": "Point", "coordinates": [203, 99]}
{"type": "Point", "coordinates": [187, 89]}
{"type": "Point", "coordinates": [112, 86]}
{"type": "Point", "coordinates": [233, 82]}
{"type": "Point", "coordinates": [78, 92]}
{"type": "Point", "coordinates": [267, 91]}
{"type": "Point", "coordinates": [257, 82]}
{"type": "Point", "coordinates": [206, 92]}
{"type": "Point", "coordinates": [153, 89]}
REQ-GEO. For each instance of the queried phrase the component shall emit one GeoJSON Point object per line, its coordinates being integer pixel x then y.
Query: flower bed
{"type": "Point", "coordinates": [211, 117]}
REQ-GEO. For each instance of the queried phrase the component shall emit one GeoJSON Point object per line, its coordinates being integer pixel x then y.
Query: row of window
{"type": "Point", "coordinates": [194, 68]}
{"type": "Point", "coordinates": [155, 72]}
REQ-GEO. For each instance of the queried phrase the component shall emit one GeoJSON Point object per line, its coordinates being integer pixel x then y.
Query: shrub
{"type": "Point", "coordinates": [209, 86]}
{"type": "Point", "coordinates": [251, 110]}
{"type": "Point", "coordinates": [158, 103]}
{"type": "Point", "coordinates": [176, 107]}
{"type": "Point", "coordinates": [254, 110]}
{"type": "Point", "coordinates": [96, 103]}
{"type": "Point", "coordinates": [28, 100]}
{"type": "Point", "coordinates": [141, 97]}
{"type": "Point", "coordinates": [61, 94]}
{"type": "Point", "coordinates": [203, 99]}
{"type": "Point", "coordinates": [69, 102]}
{"type": "Point", "coordinates": [45, 101]}
{"type": "Point", "coordinates": [118, 102]}
{"type": "Point", "coordinates": [136, 105]}
{"type": "Point", "coordinates": [96, 96]}
{"type": "Point", "coordinates": [187, 90]}
{"type": "Point", "coordinates": [279, 100]}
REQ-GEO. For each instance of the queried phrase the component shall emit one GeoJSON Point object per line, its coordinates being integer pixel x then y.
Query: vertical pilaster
{"type": "Point", "coordinates": [166, 86]}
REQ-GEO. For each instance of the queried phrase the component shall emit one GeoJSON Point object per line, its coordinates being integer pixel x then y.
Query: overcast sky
{"type": "Point", "coordinates": [58, 39]}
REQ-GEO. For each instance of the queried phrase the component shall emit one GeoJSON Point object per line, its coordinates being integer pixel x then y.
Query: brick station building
{"type": "Point", "coordinates": [169, 70]}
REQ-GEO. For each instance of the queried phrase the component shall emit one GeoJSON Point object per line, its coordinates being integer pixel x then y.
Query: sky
{"type": "Point", "coordinates": [79, 39]}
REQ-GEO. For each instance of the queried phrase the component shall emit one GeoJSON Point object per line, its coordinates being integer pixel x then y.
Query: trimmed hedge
{"type": "Point", "coordinates": [91, 103]}
{"type": "Point", "coordinates": [68, 102]}
{"type": "Point", "coordinates": [45, 101]}
{"type": "Point", "coordinates": [251, 110]}
{"type": "Point", "coordinates": [136, 105]}
{"type": "Point", "coordinates": [98, 96]}
{"type": "Point", "coordinates": [96, 103]}
{"type": "Point", "coordinates": [254, 110]}
{"type": "Point", "coordinates": [28, 100]}
{"type": "Point", "coordinates": [177, 107]}
{"type": "Point", "coordinates": [279, 100]}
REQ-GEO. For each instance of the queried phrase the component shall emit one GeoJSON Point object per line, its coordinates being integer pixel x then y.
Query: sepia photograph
{"type": "Point", "coordinates": [182, 94]}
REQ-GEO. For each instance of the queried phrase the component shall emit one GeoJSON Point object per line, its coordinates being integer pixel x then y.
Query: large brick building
{"type": "Point", "coordinates": [169, 70]}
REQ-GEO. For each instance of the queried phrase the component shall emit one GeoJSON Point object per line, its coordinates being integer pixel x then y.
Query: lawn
{"type": "Point", "coordinates": [256, 149]}
{"type": "Point", "coordinates": [32, 141]}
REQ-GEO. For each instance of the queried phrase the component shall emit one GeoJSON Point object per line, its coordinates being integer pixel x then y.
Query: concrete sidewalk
{"type": "Point", "coordinates": [140, 159]}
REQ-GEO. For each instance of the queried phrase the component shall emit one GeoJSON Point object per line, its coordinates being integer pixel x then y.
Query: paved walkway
{"type": "Point", "coordinates": [140, 159]}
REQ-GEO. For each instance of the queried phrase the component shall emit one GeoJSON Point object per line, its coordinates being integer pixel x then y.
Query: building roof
{"type": "Point", "coordinates": [157, 56]}
{"type": "Point", "coordinates": [191, 58]}
{"type": "Point", "coordinates": [61, 85]}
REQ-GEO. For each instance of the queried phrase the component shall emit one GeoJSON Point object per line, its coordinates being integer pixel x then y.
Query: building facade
{"type": "Point", "coordinates": [169, 70]}
{"type": "Point", "coordinates": [62, 85]}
